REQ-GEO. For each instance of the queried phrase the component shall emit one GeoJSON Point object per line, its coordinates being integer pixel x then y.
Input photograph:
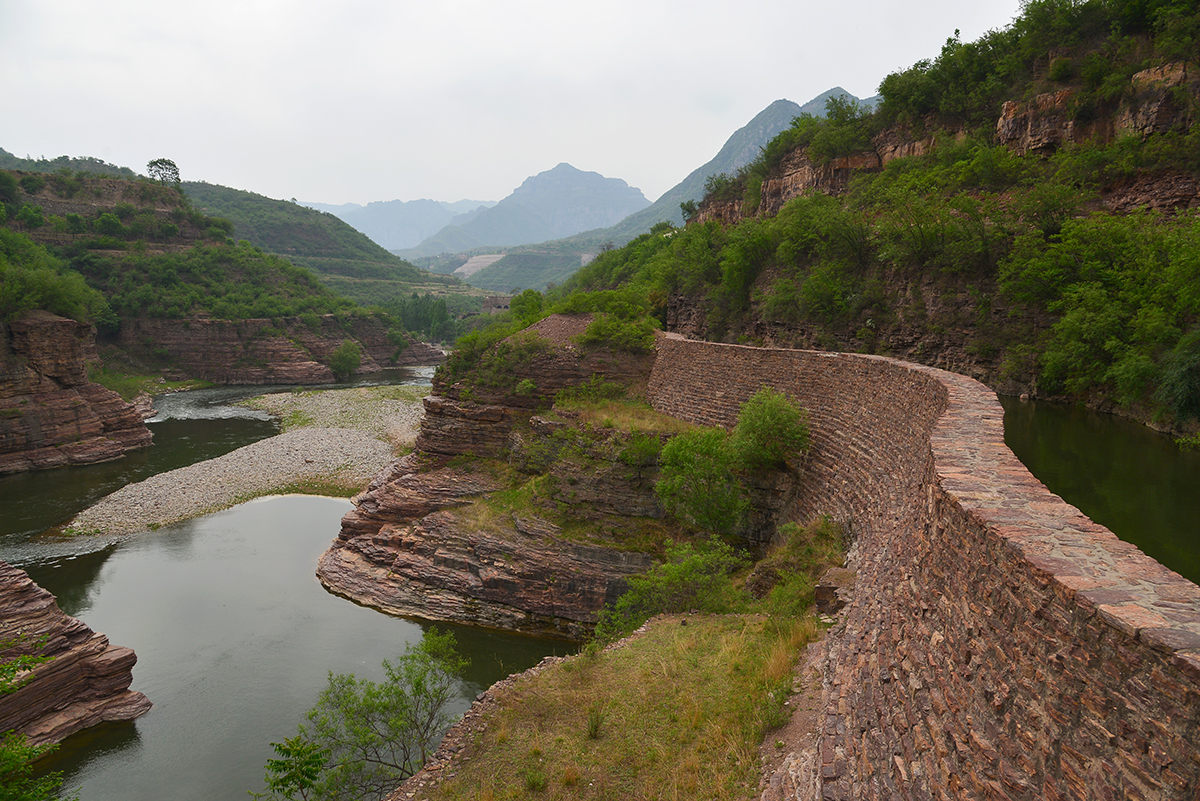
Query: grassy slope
{"type": "Point", "coordinates": [676, 711]}
{"type": "Point", "coordinates": [343, 258]}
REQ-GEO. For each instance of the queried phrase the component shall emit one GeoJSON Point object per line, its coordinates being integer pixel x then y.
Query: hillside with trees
{"type": "Point", "coordinates": [345, 260]}
{"type": "Point", "coordinates": [1020, 209]}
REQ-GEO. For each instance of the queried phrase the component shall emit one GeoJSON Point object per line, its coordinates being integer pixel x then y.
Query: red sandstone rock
{"type": "Point", "coordinates": [402, 549]}
{"type": "Point", "coordinates": [263, 351]}
{"type": "Point", "coordinates": [50, 414]}
{"type": "Point", "coordinates": [85, 683]}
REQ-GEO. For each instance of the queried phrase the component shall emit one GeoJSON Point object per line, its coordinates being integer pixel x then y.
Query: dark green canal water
{"type": "Point", "coordinates": [1126, 477]}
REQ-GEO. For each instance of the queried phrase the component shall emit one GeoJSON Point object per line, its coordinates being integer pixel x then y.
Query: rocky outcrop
{"type": "Point", "coordinates": [798, 174]}
{"type": "Point", "coordinates": [86, 680]}
{"type": "Point", "coordinates": [411, 547]}
{"type": "Point", "coordinates": [50, 414]}
{"type": "Point", "coordinates": [264, 351]}
{"type": "Point", "coordinates": [406, 549]}
{"type": "Point", "coordinates": [1053, 119]}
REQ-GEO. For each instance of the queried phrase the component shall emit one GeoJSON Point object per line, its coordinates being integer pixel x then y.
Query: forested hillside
{"type": "Point", "coordinates": [1021, 208]}
{"type": "Point", "coordinates": [345, 259]}
{"type": "Point", "coordinates": [143, 248]}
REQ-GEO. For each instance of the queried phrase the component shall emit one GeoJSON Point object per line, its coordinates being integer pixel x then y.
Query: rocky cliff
{"type": "Point", "coordinates": [424, 540]}
{"type": "Point", "coordinates": [263, 351]}
{"type": "Point", "coordinates": [1161, 99]}
{"type": "Point", "coordinates": [86, 680]}
{"type": "Point", "coordinates": [50, 414]}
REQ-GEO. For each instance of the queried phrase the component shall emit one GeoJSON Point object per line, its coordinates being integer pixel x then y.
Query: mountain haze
{"type": "Point", "coordinates": [537, 267]}
{"type": "Point", "coordinates": [400, 224]}
{"type": "Point", "coordinates": [550, 205]}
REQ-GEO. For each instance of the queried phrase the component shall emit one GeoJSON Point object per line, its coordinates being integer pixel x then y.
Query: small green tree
{"type": "Point", "coordinates": [16, 754]}
{"type": "Point", "coordinates": [770, 430]}
{"type": "Point", "coordinates": [346, 358]}
{"type": "Point", "coordinates": [697, 483]}
{"type": "Point", "coordinates": [362, 738]}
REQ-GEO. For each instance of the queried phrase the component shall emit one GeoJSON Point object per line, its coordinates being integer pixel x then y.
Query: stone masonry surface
{"type": "Point", "coordinates": [1001, 645]}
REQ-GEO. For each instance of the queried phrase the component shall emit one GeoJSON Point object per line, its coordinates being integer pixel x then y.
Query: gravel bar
{"type": "Point", "coordinates": [341, 438]}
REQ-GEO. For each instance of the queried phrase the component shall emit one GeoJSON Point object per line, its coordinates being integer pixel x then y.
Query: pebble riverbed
{"type": "Point", "coordinates": [340, 437]}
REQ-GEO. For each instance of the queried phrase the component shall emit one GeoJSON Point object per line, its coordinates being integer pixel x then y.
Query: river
{"type": "Point", "coordinates": [234, 634]}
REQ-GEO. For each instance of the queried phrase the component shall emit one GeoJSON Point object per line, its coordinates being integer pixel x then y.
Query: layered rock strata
{"type": "Point", "coordinates": [409, 549]}
{"type": "Point", "coordinates": [50, 414]}
{"type": "Point", "coordinates": [417, 544]}
{"type": "Point", "coordinates": [86, 681]}
{"type": "Point", "coordinates": [264, 351]}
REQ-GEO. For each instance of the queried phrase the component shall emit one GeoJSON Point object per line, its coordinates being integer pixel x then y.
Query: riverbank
{"type": "Point", "coordinates": [333, 443]}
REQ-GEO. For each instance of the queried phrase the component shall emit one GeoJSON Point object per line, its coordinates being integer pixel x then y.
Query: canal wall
{"type": "Point", "coordinates": [1000, 645]}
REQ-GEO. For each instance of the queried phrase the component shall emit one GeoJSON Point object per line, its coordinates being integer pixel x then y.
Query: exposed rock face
{"type": "Point", "coordinates": [798, 174]}
{"type": "Point", "coordinates": [1049, 120]}
{"type": "Point", "coordinates": [263, 351]}
{"type": "Point", "coordinates": [86, 682]}
{"type": "Point", "coordinates": [50, 414]}
{"type": "Point", "coordinates": [406, 549]}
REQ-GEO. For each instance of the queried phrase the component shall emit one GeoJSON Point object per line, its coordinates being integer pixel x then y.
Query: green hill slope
{"type": "Point", "coordinates": [344, 259]}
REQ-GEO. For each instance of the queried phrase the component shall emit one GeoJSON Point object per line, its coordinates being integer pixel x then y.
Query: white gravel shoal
{"type": "Point", "coordinates": [358, 436]}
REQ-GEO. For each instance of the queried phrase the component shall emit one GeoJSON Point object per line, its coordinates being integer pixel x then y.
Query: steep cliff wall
{"type": "Point", "coordinates": [1000, 645]}
{"type": "Point", "coordinates": [50, 414]}
{"type": "Point", "coordinates": [263, 351]}
{"type": "Point", "coordinates": [85, 683]}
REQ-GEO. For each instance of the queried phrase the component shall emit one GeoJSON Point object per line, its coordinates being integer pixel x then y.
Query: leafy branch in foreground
{"type": "Point", "coordinates": [16, 754]}
{"type": "Point", "coordinates": [362, 738]}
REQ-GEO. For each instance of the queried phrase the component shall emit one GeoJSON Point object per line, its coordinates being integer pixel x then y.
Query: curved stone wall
{"type": "Point", "coordinates": [1000, 645]}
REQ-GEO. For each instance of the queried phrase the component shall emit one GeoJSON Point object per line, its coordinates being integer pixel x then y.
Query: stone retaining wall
{"type": "Point", "coordinates": [1001, 645]}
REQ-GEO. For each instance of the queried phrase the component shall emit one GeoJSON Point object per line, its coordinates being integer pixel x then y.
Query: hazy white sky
{"type": "Point", "coordinates": [362, 100]}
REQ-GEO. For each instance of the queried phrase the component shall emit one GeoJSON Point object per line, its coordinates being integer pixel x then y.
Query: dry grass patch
{"type": "Point", "coordinates": [677, 712]}
{"type": "Point", "coordinates": [624, 414]}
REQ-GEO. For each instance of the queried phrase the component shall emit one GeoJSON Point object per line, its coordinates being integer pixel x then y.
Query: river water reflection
{"type": "Point", "coordinates": [234, 634]}
{"type": "Point", "coordinates": [234, 637]}
{"type": "Point", "coordinates": [1126, 477]}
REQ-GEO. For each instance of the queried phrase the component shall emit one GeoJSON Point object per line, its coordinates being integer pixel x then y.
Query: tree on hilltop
{"type": "Point", "coordinates": [164, 171]}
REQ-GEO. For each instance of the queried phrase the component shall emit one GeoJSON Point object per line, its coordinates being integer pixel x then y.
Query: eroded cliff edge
{"type": "Point", "coordinates": [51, 415]}
{"type": "Point", "coordinates": [85, 683]}
{"type": "Point", "coordinates": [423, 541]}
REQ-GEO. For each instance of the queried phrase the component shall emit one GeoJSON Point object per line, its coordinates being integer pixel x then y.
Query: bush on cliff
{"type": "Point", "coordinates": [693, 577]}
{"type": "Point", "coordinates": [30, 278]}
{"type": "Point", "coordinates": [700, 478]}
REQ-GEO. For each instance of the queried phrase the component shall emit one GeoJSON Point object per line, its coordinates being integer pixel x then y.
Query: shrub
{"type": "Point", "coordinates": [631, 336]}
{"type": "Point", "coordinates": [692, 577]}
{"type": "Point", "coordinates": [697, 484]}
{"type": "Point", "coordinates": [346, 358]}
{"type": "Point", "coordinates": [1179, 390]}
{"type": "Point", "coordinates": [770, 430]}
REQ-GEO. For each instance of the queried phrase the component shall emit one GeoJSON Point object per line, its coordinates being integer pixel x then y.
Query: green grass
{"type": "Point", "coordinates": [677, 712]}
{"type": "Point", "coordinates": [130, 385]}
